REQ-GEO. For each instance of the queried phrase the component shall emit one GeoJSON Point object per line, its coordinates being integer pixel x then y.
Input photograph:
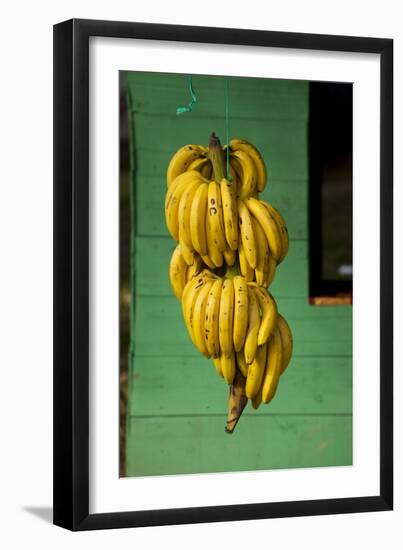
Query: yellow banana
{"type": "Point", "coordinates": [248, 183]}
{"type": "Point", "coordinates": [236, 170]}
{"type": "Point", "coordinates": [189, 296]}
{"type": "Point", "coordinates": [198, 318]}
{"type": "Point", "coordinates": [217, 365]}
{"type": "Point", "coordinates": [198, 164]}
{"type": "Point", "coordinates": [241, 362]}
{"type": "Point", "coordinates": [253, 327]}
{"type": "Point", "coordinates": [185, 205]}
{"type": "Point", "coordinates": [186, 176]}
{"type": "Point", "coordinates": [234, 180]}
{"type": "Point", "coordinates": [215, 215]}
{"type": "Point", "coordinates": [181, 160]}
{"type": "Point", "coordinates": [247, 234]}
{"type": "Point", "coordinates": [230, 213]}
{"type": "Point", "coordinates": [228, 367]}
{"type": "Point", "coordinates": [226, 318]}
{"type": "Point", "coordinates": [268, 224]}
{"type": "Point", "coordinates": [233, 177]}
{"type": "Point", "coordinates": [240, 311]}
{"type": "Point", "coordinates": [187, 251]}
{"type": "Point", "coordinates": [211, 327]}
{"type": "Point", "coordinates": [207, 170]}
{"type": "Point", "coordinates": [172, 200]}
{"type": "Point", "coordinates": [263, 254]}
{"type": "Point", "coordinates": [213, 251]}
{"type": "Point", "coordinates": [244, 266]}
{"type": "Point", "coordinates": [229, 256]}
{"type": "Point", "coordinates": [195, 268]}
{"type": "Point", "coordinates": [198, 220]}
{"type": "Point", "coordinates": [273, 367]}
{"type": "Point", "coordinates": [257, 400]}
{"type": "Point", "coordinates": [286, 341]}
{"type": "Point", "coordinates": [269, 270]}
{"type": "Point", "coordinates": [177, 272]}
{"type": "Point", "coordinates": [269, 313]}
{"type": "Point", "coordinates": [251, 150]}
{"type": "Point", "coordinates": [190, 282]}
{"type": "Point", "coordinates": [207, 260]}
{"type": "Point", "coordinates": [255, 372]}
{"type": "Point", "coordinates": [282, 226]}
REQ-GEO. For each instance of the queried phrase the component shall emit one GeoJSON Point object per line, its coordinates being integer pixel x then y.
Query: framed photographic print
{"type": "Point", "coordinates": [216, 193]}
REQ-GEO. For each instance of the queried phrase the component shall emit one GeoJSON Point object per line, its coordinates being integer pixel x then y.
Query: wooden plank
{"type": "Point", "coordinates": [189, 386]}
{"type": "Point", "coordinates": [152, 256]}
{"type": "Point", "coordinates": [179, 82]}
{"type": "Point", "coordinates": [272, 100]}
{"type": "Point", "coordinates": [288, 197]}
{"type": "Point", "coordinates": [318, 331]}
{"type": "Point", "coordinates": [198, 444]}
{"type": "Point", "coordinates": [278, 141]}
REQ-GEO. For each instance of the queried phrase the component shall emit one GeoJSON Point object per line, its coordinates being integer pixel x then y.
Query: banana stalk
{"type": "Point", "coordinates": [216, 155]}
{"type": "Point", "coordinates": [236, 402]}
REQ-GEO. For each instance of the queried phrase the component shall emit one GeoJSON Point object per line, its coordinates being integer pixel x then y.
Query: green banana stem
{"type": "Point", "coordinates": [237, 401]}
{"type": "Point", "coordinates": [217, 158]}
{"type": "Point", "coordinates": [232, 270]}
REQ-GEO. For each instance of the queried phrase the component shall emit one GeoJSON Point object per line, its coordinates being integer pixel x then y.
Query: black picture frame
{"type": "Point", "coordinates": [72, 285]}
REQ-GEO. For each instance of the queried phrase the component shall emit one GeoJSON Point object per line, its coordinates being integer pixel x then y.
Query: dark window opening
{"type": "Point", "coordinates": [330, 192]}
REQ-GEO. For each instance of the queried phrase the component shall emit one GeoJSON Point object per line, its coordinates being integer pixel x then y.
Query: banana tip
{"type": "Point", "coordinates": [231, 424]}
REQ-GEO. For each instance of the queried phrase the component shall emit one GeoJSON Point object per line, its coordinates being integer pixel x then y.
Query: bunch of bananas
{"type": "Point", "coordinates": [230, 244]}
{"type": "Point", "coordinates": [232, 321]}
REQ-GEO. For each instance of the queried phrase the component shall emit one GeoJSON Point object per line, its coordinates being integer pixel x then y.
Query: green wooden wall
{"type": "Point", "coordinates": [177, 404]}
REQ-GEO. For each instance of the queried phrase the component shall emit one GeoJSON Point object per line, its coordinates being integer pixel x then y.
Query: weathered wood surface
{"type": "Point", "coordinates": [177, 404]}
{"type": "Point", "coordinates": [185, 445]}
{"type": "Point", "coordinates": [304, 387]}
{"type": "Point", "coordinates": [153, 94]}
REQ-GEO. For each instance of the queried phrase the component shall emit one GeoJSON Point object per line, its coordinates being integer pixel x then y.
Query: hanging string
{"type": "Point", "coordinates": [229, 178]}
{"type": "Point", "coordinates": [181, 110]}
{"type": "Point", "coordinates": [188, 109]}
